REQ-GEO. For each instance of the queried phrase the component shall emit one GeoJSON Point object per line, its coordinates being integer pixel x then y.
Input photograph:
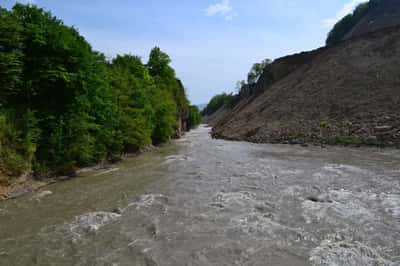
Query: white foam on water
{"type": "Point", "coordinates": [391, 203]}
{"type": "Point", "coordinates": [341, 169]}
{"type": "Point", "coordinates": [291, 172]}
{"type": "Point", "coordinates": [91, 222]}
{"type": "Point", "coordinates": [42, 194]}
{"type": "Point", "coordinates": [150, 204]}
{"type": "Point", "coordinates": [176, 158]}
{"type": "Point", "coordinates": [107, 171]}
{"type": "Point", "coordinates": [255, 217]}
{"type": "Point", "coordinates": [294, 191]}
{"type": "Point", "coordinates": [234, 199]}
{"type": "Point", "coordinates": [149, 200]}
{"type": "Point", "coordinates": [255, 223]}
{"type": "Point", "coordinates": [352, 205]}
{"type": "Point", "coordinates": [343, 205]}
{"type": "Point", "coordinates": [346, 253]}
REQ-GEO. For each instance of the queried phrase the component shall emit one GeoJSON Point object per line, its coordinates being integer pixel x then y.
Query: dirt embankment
{"type": "Point", "coordinates": [348, 93]}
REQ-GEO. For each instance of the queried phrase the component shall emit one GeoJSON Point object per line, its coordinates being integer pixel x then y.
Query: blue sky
{"type": "Point", "coordinates": [212, 43]}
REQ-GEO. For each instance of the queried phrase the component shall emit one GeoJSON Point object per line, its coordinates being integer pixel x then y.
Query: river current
{"type": "Point", "coordinates": [200, 201]}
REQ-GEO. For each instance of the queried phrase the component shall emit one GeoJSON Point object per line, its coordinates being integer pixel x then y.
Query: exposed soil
{"type": "Point", "coordinates": [348, 93]}
{"type": "Point", "coordinates": [215, 117]}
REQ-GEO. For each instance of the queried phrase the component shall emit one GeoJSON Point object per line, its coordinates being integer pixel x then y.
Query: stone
{"type": "Point", "coordinates": [117, 210]}
{"type": "Point", "coordinates": [323, 198]}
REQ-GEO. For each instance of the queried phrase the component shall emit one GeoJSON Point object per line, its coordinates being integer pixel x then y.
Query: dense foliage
{"type": "Point", "coordinates": [62, 105]}
{"type": "Point", "coordinates": [217, 102]}
{"type": "Point", "coordinates": [194, 117]}
{"type": "Point", "coordinates": [346, 24]}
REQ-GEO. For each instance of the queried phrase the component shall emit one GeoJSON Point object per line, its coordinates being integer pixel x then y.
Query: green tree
{"type": "Point", "coordinates": [63, 105]}
{"type": "Point", "coordinates": [257, 70]}
{"type": "Point", "coordinates": [10, 56]}
{"type": "Point", "coordinates": [131, 84]}
{"type": "Point", "coordinates": [174, 104]}
{"type": "Point", "coordinates": [194, 117]}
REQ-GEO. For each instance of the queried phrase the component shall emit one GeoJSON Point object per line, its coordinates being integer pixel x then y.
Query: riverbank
{"type": "Point", "coordinates": [313, 140]}
{"type": "Point", "coordinates": [21, 186]}
{"type": "Point", "coordinates": [28, 184]}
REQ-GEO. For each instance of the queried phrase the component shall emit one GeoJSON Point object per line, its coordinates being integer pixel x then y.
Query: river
{"type": "Point", "coordinates": [200, 201]}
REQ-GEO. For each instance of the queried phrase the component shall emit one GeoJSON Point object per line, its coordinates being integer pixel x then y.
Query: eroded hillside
{"type": "Point", "coordinates": [347, 93]}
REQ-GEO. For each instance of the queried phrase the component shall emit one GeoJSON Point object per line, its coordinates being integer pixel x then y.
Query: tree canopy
{"type": "Point", "coordinates": [63, 105]}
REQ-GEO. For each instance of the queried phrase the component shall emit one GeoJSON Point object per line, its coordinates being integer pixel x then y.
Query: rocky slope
{"type": "Point", "coordinates": [384, 14]}
{"type": "Point", "coordinates": [347, 93]}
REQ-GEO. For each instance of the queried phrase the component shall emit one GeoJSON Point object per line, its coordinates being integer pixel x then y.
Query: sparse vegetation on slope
{"type": "Point", "coordinates": [243, 88]}
{"type": "Point", "coordinates": [217, 102]}
{"type": "Point", "coordinates": [347, 23]}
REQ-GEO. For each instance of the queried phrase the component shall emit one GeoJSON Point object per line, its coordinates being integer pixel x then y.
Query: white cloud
{"type": "Point", "coordinates": [346, 9]}
{"type": "Point", "coordinates": [224, 8]}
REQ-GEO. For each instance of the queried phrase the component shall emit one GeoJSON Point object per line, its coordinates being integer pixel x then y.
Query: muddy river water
{"type": "Point", "coordinates": [200, 201]}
